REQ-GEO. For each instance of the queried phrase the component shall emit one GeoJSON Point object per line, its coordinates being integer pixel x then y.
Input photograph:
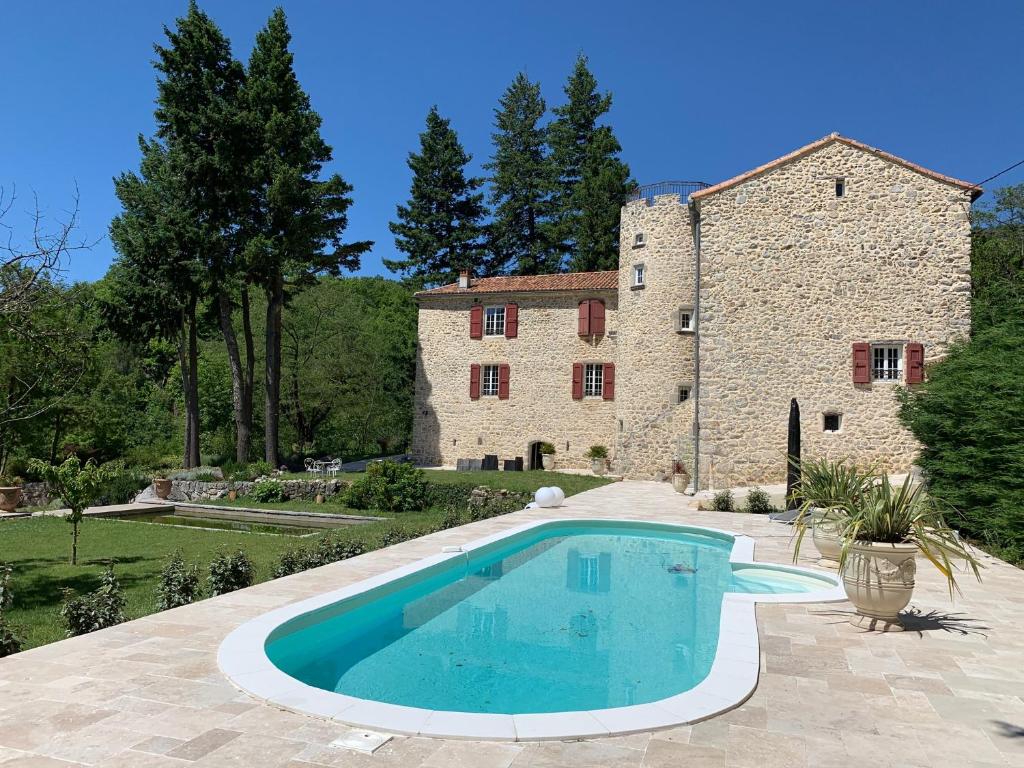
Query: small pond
{"type": "Point", "coordinates": [220, 523]}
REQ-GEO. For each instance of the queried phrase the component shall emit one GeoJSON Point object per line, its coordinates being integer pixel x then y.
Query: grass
{"type": "Point", "coordinates": [37, 548]}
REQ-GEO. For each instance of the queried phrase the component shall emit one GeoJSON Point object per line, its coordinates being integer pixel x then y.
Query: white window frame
{"type": "Point", "coordinates": [494, 320]}
{"type": "Point", "coordinates": [887, 362]}
{"type": "Point", "coordinates": [689, 327]}
{"type": "Point", "coordinates": [688, 388]}
{"type": "Point", "coordinates": [593, 379]}
{"type": "Point", "coordinates": [838, 429]}
{"type": "Point", "coordinates": [639, 275]}
{"type": "Point", "coordinates": [639, 240]}
{"type": "Point", "coordinates": [489, 380]}
{"type": "Point", "coordinates": [590, 573]}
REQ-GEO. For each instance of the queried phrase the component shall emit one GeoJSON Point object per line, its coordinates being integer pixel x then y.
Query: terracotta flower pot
{"type": "Point", "coordinates": [232, 494]}
{"type": "Point", "coordinates": [162, 486]}
{"type": "Point", "coordinates": [547, 460]}
{"type": "Point", "coordinates": [319, 499]}
{"type": "Point", "coordinates": [10, 497]}
{"type": "Point", "coordinates": [879, 580]}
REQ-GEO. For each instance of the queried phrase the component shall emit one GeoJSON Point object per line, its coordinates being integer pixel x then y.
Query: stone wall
{"type": "Point", "coordinates": [197, 490]}
{"type": "Point", "coordinates": [654, 430]}
{"type": "Point", "coordinates": [34, 495]}
{"type": "Point", "coordinates": [792, 276]}
{"type": "Point", "coordinates": [448, 425]}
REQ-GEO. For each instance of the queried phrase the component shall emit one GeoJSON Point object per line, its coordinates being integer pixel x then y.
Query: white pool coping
{"type": "Point", "coordinates": [733, 676]}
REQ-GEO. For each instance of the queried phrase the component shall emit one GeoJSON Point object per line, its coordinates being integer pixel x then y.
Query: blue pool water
{"type": "Point", "coordinates": [561, 618]}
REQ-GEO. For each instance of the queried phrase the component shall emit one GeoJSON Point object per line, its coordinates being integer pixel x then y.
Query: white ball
{"type": "Point", "coordinates": [532, 505]}
{"type": "Point", "coordinates": [559, 495]}
{"type": "Point", "coordinates": [545, 497]}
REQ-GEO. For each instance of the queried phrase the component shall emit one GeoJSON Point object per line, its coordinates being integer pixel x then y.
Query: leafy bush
{"type": "Point", "coordinates": [597, 452]}
{"type": "Point", "coordinates": [207, 477]}
{"type": "Point", "coordinates": [123, 483]}
{"type": "Point", "coordinates": [259, 469]}
{"type": "Point", "coordinates": [453, 518]}
{"type": "Point", "coordinates": [326, 550]}
{"type": "Point", "coordinates": [6, 596]}
{"type": "Point", "coordinates": [494, 508]}
{"type": "Point", "coordinates": [97, 610]}
{"type": "Point", "coordinates": [267, 491]}
{"type": "Point", "coordinates": [969, 416]}
{"type": "Point", "coordinates": [723, 502]}
{"type": "Point", "coordinates": [396, 535]}
{"type": "Point", "coordinates": [389, 487]}
{"type": "Point", "coordinates": [230, 572]}
{"type": "Point", "coordinates": [759, 502]}
{"type": "Point", "coordinates": [447, 495]}
{"type": "Point", "coordinates": [179, 583]}
{"type": "Point", "coordinates": [9, 640]}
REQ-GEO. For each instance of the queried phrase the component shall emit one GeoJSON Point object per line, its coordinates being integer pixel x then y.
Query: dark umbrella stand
{"type": "Point", "coordinates": [792, 467]}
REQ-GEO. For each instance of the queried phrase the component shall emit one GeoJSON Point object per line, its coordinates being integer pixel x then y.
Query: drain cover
{"type": "Point", "coordinates": [366, 742]}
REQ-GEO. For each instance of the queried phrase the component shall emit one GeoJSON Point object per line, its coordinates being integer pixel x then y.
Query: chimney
{"type": "Point", "coordinates": [465, 279]}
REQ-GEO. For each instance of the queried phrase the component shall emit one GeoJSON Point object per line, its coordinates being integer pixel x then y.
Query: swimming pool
{"type": "Point", "coordinates": [557, 629]}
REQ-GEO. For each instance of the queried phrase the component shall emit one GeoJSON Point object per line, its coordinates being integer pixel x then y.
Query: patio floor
{"type": "Point", "coordinates": [947, 693]}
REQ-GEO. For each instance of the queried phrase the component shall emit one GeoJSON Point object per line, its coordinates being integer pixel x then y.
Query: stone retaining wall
{"type": "Point", "coordinates": [34, 495]}
{"type": "Point", "coordinates": [196, 490]}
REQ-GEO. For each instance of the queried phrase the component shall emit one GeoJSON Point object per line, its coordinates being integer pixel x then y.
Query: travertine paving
{"type": "Point", "coordinates": [948, 693]}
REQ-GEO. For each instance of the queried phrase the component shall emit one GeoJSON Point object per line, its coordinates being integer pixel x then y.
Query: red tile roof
{"type": "Point", "coordinates": [570, 281]}
{"type": "Point", "coordinates": [973, 189]}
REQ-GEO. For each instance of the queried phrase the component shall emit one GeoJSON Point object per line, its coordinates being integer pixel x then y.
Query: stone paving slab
{"type": "Point", "coordinates": [948, 692]}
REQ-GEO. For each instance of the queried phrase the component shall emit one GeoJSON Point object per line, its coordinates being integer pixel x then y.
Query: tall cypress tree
{"type": "Point", "coordinates": [522, 185]}
{"type": "Point", "coordinates": [592, 181]}
{"type": "Point", "coordinates": [440, 227]}
{"type": "Point", "coordinates": [295, 218]}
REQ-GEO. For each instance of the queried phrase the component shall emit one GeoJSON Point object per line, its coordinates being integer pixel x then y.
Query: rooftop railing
{"type": "Point", "coordinates": [682, 188]}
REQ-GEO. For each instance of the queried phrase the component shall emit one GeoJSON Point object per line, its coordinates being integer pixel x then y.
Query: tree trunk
{"type": "Point", "coordinates": [239, 394]}
{"type": "Point", "coordinates": [74, 542]}
{"type": "Point", "coordinates": [188, 356]}
{"type": "Point", "coordinates": [272, 373]}
{"type": "Point", "coordinates": [250, 365]}
{"type": "Point", "coordinates": [58, 425]}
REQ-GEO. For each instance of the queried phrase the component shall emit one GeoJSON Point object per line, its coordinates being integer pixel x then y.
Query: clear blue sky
{"type": "Point", "coordinates": [703, 90]}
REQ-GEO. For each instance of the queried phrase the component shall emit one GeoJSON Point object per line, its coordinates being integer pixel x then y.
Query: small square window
{"type": "Point", "coordinates": [685, 319]}
{"type": "Point", "coordinates": [494, 321]}
{"type": "Point", "coordinates": [840, 187]}
{"type": "Point", "coordinates": [639, 274]}
{"type": "Point", "coordinates": [639, 240]}
{"type": "Point", "coordinates": [489, 380]}
{"type": "Point", "coordinates": [684, 393]}
{"type": "Point", "coordinates": [593, 380]}
{"type": "Point", "coordinates": [831, 422]}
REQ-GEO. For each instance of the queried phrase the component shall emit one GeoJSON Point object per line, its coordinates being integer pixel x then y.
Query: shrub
{"type": "Point", "coordinates": [9, 640]}
{"type": "Point", "coordinates": [123, 483]}
{"type": "Point", "coordinates": [6, 596]}
{"type": "Point", "coordinates": [97, 610]}
{"type": "Point", "coordinates": [447, 495]}
{"type": "Point", "coordinates": [326, 550]}
{"type": "Point", "coordinates": [230, 572]}
{"type": "Point", "coordinates": [79, 486]}
{"type": "Point", "coordinates": [758, 502]}
{"type": "Point", "coordinates": [546, 449]}
{"type": "Point", "coordinates": [597, 452]}
{"type": "Point", "coordinates": [179, 583]}
{"type": "Point", "coordinates": [259, 469]}
{"type": "Point", "coordinates": [389, 487]}
{"type": "Point", "coordinates": [723, 502]}
{"type": "Point", "coordinates": [267, 491]}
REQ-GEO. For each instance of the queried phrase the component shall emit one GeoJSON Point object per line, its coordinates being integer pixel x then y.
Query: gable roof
{"type": "Point", "coordinates": [974, 190]}
{"type": "Point", "coordinates": [569, 281]}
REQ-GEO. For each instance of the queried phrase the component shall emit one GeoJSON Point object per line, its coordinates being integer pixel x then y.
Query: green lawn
{"type": "Point", "coordinates": [37, 548]}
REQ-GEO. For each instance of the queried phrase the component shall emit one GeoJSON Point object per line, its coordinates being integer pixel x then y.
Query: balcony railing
{"type": "Point", "coordinates": [682, 188]}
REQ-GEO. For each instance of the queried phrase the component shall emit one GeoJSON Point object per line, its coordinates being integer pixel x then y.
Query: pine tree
{"type": "Point", "coordinates": [440, 227]}
{"type": "Point", "coordinates": [522, 185]}
{"type": "Point", "coordinates": [294, 218]}
{"type": "Point", "coordinates": [592, 181]}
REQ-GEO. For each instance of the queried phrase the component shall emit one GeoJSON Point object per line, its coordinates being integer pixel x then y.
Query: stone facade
{"type": "Point", "coordinates": [783, 269]}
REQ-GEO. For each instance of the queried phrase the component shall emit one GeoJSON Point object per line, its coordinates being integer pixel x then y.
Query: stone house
{"type": "Point", "coordinates": [831, 275]}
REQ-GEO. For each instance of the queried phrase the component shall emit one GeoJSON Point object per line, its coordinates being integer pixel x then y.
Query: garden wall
{"type": "Point", "coordinates": [197, 490]}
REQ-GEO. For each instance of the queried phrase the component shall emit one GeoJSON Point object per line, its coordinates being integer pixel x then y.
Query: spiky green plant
{"type": "Point", "coordinates": [826, 490]}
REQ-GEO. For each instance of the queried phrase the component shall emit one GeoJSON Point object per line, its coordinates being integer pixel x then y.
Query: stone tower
{"type": "Point", "coordinates": [656, 329]}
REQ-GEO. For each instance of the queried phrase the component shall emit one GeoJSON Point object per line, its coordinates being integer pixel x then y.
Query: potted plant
{"type": "Point", "coordinates": [598, 455]}
{"type": "Point", "coordinates": [547, 455]}
{"type": "Point", "coordinates": [680, 477]}
{"type": "Point", "coordinates": [10, 493]}
{"type": "Point", "coordinates": [162, 486]}
{"type": "Point", "coordinates": [880, 536]}
{"type": "Point", "coordinates": [825, 491]}
{"type": "Point", "coordinates": [232, 491]}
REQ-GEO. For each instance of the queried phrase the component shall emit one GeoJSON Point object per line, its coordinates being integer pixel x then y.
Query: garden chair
{"type": "Point", "coordinates": [333, 467]}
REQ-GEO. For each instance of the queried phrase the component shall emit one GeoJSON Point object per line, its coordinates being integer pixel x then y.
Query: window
{"type": "Point", "coordinates": [840, 187]}
{"type": "Point", "coordinates": [831, 422]}
{"type": "Point", "coordinates": [684, 393]}
{"type": "Point", "coordinates": [489, 384]}
{"type": "Point", "coordinates": [593, 380]}
{"type": "Point", "coordinates": [639, 240]}
{"type": "Point", "coordinates": [886, 362]}
{"type": "Point", "coordinates": [589, 573]}
{"type": "Point", "coordinates": [494, 321]}
{"type": "Point", "coordinates": [686, 320]}
{"type": "Point", "coordinates": [638, 275]}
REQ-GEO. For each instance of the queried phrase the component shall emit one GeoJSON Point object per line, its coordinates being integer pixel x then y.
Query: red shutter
{"type": "Point", "coordinates": [503, 372]}
{"type": "Point", "coordinates": [584, 319]}
{"type": "Point", "coordinates": [597, 317]}
{"type": "Point", "coordinates": [474, 382]}
{"type": "Point", "coordinates": [915, 363]}
{"type": "Point", "coordinates": [608, 388]}
{"type": "Point", "coordinates": [861, 363]}
{"type": "Point", "coordinates": [476, 322]}
{"type": "Point", "coordinates": [511, 321]}
{"type": "Point", "coordinates": [577, 381]}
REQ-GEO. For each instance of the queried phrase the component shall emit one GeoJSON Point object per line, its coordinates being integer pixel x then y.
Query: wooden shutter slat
{"type": "Point", "coordinates": [583, 315]}
{"type": "Point", "coordinates": [608, 387]}
{"type": "Point", "coordinates": [503, 376]}
{"type": "Point", "coordinates": [915, 363]}
{"type": "Point", "coordinates": [597, 317]}
{"type": "Point", "coordinates": [577, 381]}
{"type": "Point", "coordinates": [474, 382]}
{"type": "Point", "coordinates": [511, 321]}
{"type": "Point", "coordinates": [861, 363]}
{"type": "Point", "coordinates": [476, 322]}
